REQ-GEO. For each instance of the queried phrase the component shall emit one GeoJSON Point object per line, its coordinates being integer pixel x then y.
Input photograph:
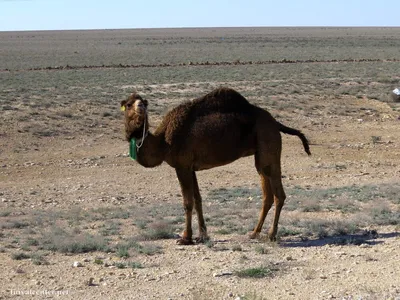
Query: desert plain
{"type": "Point", "coordinates": [80, 220]}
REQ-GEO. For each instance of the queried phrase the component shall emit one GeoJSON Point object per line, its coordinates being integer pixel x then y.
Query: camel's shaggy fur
{"type": "Point", "coordinates": [207, 132]}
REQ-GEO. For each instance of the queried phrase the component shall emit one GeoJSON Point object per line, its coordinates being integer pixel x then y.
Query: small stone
{"type": "Point", "coordinates": [224, 273]}
{"type": "Point", "coordinates": [107, 264]}
{"type": "Point", "coordinates": [77, 264]}
{"type": "Point", "coordinates": [90, 282]}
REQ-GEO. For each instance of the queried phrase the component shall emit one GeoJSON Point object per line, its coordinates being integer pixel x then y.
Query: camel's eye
{"type": "Point", "coordinates": [129, 105]}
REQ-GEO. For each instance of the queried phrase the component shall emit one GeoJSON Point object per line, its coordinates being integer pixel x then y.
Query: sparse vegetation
{"type": "Point", "coordinates": [129, 264]}
{"type": "Point", "coordinates": [123, 251]}
{"type": "Point", "coordinates": [237, 248]}
{"type": "Point", "coordinates": [20, 256]}
{"type": "Point", "coordinates": [259, 272]}
{"type": "Point", "coordinates": [348, 200]}
{"type": "Point", "coordinates": [110, 229]}
{"type": "Point", "coordinates": [39, 258]}
{"type": "Point", "coordinates": [159, 230]}
{"type": "Point", "coordinates": [65, 242]}
{"type": "Point", "coordinates": [260, 249]}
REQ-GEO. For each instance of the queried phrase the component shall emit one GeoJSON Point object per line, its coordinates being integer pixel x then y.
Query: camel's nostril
{"type": "Point", "coordinates": [139, 107]}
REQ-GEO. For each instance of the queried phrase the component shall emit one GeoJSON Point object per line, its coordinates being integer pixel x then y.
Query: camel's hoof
{"type": "Point", "coordinates": [272, 238]}
{"type": "Point", "coordinates": [254, 235]}
{"type": "Point", "coordinates": [184, 241]}
{"type": "Point", "coordinates": [201, 239]}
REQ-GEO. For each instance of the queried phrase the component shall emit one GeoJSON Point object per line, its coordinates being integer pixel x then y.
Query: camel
{"type": "Point", "coordinates": [208, 132]}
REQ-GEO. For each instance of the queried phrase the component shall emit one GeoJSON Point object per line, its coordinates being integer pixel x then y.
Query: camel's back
{"type": "Point", "coordinates": [178, 121]}
{"type": "Point", "coordinates": [220, 100]}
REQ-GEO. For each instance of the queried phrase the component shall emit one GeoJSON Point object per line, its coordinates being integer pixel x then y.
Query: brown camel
{"type": "Point", "coordinates": [208, 132]}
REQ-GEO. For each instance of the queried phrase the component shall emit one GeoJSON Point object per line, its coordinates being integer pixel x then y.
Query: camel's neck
{"type": "Point", "coordinates": [152, 152]}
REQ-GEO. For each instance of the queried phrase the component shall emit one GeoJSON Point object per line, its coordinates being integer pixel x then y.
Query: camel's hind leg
{"type": "Point", "coordinates": [268, 200]}
{"type": "Point", "coordinates": [271, 183]}
{"type": "Point", "coordinates": [279, 199]}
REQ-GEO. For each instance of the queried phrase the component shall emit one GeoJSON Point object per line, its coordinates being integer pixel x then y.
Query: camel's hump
{"type": "Point", "coordinates": [222, 97]}
{"type": "Point", "coordinates": [221, 100]}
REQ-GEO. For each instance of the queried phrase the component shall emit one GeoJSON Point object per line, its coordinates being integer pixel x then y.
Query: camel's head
{"type": "Point", "coordinates": [135, 109]}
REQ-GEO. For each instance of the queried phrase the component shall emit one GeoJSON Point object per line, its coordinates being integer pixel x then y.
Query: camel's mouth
{"type": "Point", "coordinates": [140, 108]}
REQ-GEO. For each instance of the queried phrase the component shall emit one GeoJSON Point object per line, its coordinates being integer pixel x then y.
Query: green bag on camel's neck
{"type": "Point", "coordinates": [132, 149]}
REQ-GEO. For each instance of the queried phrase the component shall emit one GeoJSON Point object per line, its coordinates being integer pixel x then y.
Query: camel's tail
{"type": "Point", "coordinates": [293, 131]}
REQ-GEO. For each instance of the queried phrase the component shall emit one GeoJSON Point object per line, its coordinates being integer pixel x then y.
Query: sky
{"type": "Point", "coordinates": [115, 14]}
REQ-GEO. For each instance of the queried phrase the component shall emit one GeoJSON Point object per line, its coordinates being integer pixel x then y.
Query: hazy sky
{"type": "Point", "coordinates": [98, 14]}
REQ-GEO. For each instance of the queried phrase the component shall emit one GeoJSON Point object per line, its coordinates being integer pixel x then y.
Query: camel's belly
{"type": "Point", "coordinates": [218, 159]}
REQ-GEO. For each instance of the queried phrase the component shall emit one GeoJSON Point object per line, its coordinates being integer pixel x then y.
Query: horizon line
{"type": "Point", "coordinates": [202, 27]}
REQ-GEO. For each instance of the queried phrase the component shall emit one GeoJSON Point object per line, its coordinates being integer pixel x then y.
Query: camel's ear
{"type": "Point", "coordinates": [123, 103]}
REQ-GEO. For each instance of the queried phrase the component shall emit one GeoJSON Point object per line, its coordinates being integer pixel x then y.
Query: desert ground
{"type": "Point", "coordinates": [80, 220]}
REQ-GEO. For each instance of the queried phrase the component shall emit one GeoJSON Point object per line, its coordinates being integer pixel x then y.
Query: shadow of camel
{"type": "Point", "coordinates": [368, 237]}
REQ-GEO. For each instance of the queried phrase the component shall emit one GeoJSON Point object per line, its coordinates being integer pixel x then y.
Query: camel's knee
{"type": "Point", "coordinates": [266, 171]}
{"type": "Point", "coordinates": [280, 197]}
{"type": "Point", "coordinates": [188, 206]}
{"type": "Point", "coordinates": [277, 190]}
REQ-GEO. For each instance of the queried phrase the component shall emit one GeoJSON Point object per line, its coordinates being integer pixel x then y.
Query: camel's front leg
{"type": "Point", "coordinates": [199, 210]}
{"type": "Point", "coordinates": [185, 178]}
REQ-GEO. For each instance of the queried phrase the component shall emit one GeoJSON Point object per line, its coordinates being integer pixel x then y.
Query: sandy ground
{"type": "Point", "coordinates": [89, 171]}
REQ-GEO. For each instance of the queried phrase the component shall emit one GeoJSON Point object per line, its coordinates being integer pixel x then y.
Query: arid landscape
{"type": "Point", "coordinates": [80, 220]}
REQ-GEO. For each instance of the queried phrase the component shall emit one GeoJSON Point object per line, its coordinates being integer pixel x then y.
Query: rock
{"type": "Point", "coordinates": [223, 273]}
{"type": "Point", "coordinates": [77, 264]}
{"type": "Point", "coordinates": [90, 282]}
{"type": "Point", "coordinates": [107, 264]}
